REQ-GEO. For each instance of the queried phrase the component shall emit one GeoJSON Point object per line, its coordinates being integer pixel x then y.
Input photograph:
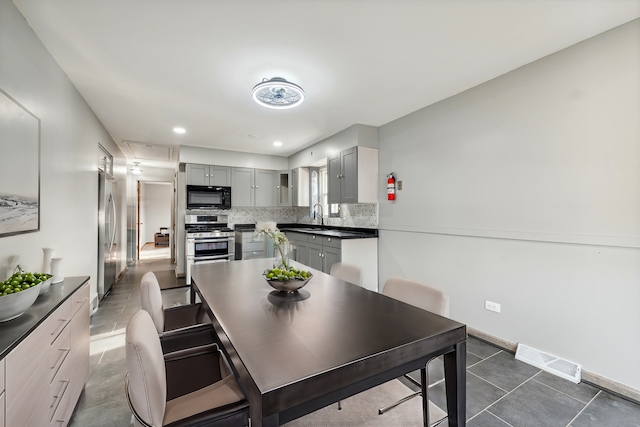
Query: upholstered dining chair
{"type": "Point", "coordinates": [178, 327]}
{"type": "Point", "coordinates": [347, 272]}
{"type": "Point", "coordinates": [187, 388]}
{"type": "Point", "coordinates": [427, 298]}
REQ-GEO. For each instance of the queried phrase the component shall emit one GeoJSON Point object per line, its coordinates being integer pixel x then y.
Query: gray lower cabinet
{"type": "Point", "coordinates": [318, 252]}
{"type": "Point", "coordinates": [250, 246]}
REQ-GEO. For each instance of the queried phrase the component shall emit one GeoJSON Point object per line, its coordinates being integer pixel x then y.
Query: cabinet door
{"type": "Point", "coordinates": [242, 187]}
{"type": "Point", "coordinates": [349, 180]}
{"type": "Point", "coordinates": [197, 174]}
{"type": "Point", "coordinates": [330, 257]}
{"type": "Point", "coordinates": [302, 252]}
{"type": "Point", "coordinates": [220, 175]}
{"type": "Point", "coordinates": [295, 176]}
{"type": "Point", "coordinates": [334, 172]}
{"type": "Point", "coordinates": [265, 187]}
{"type": "Point", "coordinates": [315, 256]}
{"type": "Point", "coordinates": [283, 191]}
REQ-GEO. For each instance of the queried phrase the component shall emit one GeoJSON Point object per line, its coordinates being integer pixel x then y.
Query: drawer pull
{"type": "Point", "coordinates": [83, 300]}
{"type": "Point", "coordinates": [58, 396]}
{"type": "Point", "coordinates": [64, 323]}
{"type": "Point", "coordinates": [61, 358]}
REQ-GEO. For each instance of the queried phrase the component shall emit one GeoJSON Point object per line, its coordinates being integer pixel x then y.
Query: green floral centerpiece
{"type": "Point", "coordinates": [283, 276]}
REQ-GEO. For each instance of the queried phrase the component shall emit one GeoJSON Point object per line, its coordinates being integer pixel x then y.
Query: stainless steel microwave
{"type": "Point", "coordinates": [208, 197]}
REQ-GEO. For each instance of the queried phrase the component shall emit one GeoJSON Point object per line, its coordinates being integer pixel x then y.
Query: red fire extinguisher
{"type": "Point", "coordinates": [391, 187]}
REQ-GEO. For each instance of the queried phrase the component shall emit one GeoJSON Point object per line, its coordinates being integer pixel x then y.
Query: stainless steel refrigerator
{"type": "Point", "coordinates": [107, 253]}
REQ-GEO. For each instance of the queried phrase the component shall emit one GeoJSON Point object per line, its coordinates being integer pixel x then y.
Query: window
{"type": "Point", "coordinates": [318, 192]}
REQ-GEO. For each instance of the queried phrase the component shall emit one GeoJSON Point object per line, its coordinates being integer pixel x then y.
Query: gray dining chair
{"type": "Point", "coordinates": [347, 272]}
{"type": "Point", "coordinates": [427, 298]}
{"type": "Point", "coordinates": [179, 327]}
{"type": "Point", "coordinates": [187, 388]}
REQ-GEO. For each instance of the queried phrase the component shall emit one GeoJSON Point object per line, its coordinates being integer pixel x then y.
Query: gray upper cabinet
{"type": "Point", "coordinates": [353, 176]}
{"type": "Point", "coordinates": [253, 187]}
{"type": "Point", "coordinates": [208, 175]}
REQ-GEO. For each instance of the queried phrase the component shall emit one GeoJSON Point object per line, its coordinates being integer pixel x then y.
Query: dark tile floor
{"type": "Point", "coordinates": [501, 391]}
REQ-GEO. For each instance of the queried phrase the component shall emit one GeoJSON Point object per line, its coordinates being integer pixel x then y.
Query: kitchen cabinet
{"type": "Point", "coordinates": [249, 245]}
{"type": "Point", "coordinates": [48, 369]}
{"type": "Point", "coordinates": [315, 251]}
{"type": "Point", "coordinates": [208, 175]}
{"type": "Point", "coordinates": [253, 187]}
{"type": "Point", "coordinates": [283, 188]}
{"type": "Point", "coordinates": [353, 176]}
{"type": "Point", "coordinates": [300, 187]}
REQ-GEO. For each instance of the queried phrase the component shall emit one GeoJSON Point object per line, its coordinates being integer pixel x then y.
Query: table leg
{"type": "Point", "coordinates": [270, 421]}
{"type": "Point", "coordinates": [424, 383]}
{"type": "Point", "coordinates": [455, 372]}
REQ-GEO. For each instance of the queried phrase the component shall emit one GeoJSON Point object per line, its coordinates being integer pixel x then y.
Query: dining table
{"type": "Point", "coordinates": [294, 353]}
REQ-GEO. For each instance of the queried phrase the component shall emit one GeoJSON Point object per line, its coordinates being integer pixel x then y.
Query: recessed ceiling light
{"type": "Point", "coordinates": [277, 144]}
{"type": "Point", "coordinates": [277, 93]}
{"type": "Point", "coordinates": [179, 130]}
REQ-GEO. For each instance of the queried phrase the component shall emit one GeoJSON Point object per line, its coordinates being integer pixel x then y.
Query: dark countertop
{"type": "Point", "coordinates": [14, 331]}
{"type": "Point", "coordinates": [244, 227]}
{"type": "Point", "coordinates": [331, 231]}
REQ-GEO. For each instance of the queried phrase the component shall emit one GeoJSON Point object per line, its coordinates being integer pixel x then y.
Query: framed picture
{"type": "Point", "coordinates": [19, 168]}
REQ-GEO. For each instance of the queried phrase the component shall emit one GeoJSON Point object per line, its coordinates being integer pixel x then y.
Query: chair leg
{"type": "Point", "coordinates": [339, 405]}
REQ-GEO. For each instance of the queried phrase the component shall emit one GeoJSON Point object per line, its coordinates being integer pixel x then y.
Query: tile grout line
{"type": "Point", "coordinates": [510, 425]}
{"type": "Point", "coordinates": [585, 407]}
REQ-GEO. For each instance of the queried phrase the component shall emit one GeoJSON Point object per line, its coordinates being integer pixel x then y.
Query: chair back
{"type": "Point", "coordinates": [151, 300]}
{"type": "Point", "coordinates": [146, 385]}
{"type": "Point", "coordinates": [347, 272]}
{"type": "Point", "coordinates": [418, 294]}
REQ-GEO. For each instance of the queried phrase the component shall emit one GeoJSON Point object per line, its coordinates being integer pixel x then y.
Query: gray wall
{"type": "Point", "coordinates": [526, 191]}
{"type": "Point", "coordinates": [70, 134]}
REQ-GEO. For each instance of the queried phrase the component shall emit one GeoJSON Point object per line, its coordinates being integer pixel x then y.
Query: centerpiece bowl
{"type": "Point", "coordinates": [291, 285]}
{"type": "Point", "coordinates": [13, 305]}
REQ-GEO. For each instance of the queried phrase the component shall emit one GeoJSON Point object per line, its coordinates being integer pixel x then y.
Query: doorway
{"type": "Point", "coordinates": [154, 220]}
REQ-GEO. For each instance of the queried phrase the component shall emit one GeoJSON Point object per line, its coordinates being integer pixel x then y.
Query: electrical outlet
{"type": "Point", "coordinates": [492, 306]}
{"type": "Point", "coordinates": [399, 185]}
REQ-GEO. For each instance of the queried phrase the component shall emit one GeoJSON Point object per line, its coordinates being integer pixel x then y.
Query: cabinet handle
{"type": "Point", "coordinates": [63, 325]}
{"type": "Point", "coordinates": [328, 239]}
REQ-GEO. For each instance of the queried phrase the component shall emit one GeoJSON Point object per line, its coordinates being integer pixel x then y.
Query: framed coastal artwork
{"type": "Point", "coordinates": [19, 168]}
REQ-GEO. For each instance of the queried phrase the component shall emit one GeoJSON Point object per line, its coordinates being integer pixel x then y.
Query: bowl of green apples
{"type": "Point", "coordinates": [19, 292]}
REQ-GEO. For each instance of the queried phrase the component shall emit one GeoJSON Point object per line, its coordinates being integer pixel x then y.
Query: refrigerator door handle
{"type": "Point", "coordinates": [112, 222]}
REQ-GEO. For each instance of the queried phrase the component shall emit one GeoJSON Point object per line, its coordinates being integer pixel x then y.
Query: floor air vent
{"type": "Point", "coordinates": [552, 364]}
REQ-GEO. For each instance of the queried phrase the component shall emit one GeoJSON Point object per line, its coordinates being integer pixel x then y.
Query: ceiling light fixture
{"type": "Point", "coordinates": [179, 130]}
{"type": "Point", "coordinates": [277, 93]}
{"type": "Point", "coordinates": [277, 144]}
{"type": "Point", "coordinates": [136, 168]}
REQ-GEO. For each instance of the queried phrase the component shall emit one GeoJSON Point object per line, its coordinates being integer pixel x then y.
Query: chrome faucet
{"type": "Point", "coordinates": [321, 214]}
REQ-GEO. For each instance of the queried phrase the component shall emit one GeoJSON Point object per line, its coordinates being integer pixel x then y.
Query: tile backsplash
{"type": "Point", "coordinates": [357, 215]}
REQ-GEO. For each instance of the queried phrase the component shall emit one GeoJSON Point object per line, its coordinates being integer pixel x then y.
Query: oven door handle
{"type": "Point", "coordinates": [209, 258]}
{"type": "Point", "coordinates": [210, 240]}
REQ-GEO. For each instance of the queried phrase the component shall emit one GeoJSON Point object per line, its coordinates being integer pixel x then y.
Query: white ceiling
{"type": "Point", "coordinates": [145, 66]}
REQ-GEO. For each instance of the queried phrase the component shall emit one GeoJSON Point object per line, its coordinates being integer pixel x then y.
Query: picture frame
{"type": "Point", "coordinates": [20, 133]}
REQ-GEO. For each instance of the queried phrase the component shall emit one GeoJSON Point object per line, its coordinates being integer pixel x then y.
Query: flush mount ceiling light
{"type": "Point", "coordinates": [136, 168]}
{"type": "Point", "coordinates": [277, 93]}
{"type": "Point", "coordinates": [179, 130]}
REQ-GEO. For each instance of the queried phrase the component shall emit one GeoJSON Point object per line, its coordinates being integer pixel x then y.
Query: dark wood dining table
{"type": "Point", "coordinates": [296, 353]}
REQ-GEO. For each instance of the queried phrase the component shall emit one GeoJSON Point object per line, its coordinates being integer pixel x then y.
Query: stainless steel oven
{"type": "Point", "coordinates": [208, 240]}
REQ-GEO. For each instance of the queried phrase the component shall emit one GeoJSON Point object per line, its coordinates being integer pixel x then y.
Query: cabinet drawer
{"type": "Point", "coordinates": [334, 242]}
{"type": "Point", "coordinates": [80, 346]}
{"type": "Point", "coordinates": [58, 320]}
{"type": "Point", "coordinates": [254, 254]}
{"type": "Point", "coordinates": [2, 378]}
{"type": "Point", "coordinates": [28, 407]}
{"type": "Point", "coordinates": [2, 408]}
{"type": "Point", "coordinates": [253, 246]}
{"type": "Point", "coordinates": [59, 352]}
{"type": "Point", "coordinates": [59, 387]}
{"type": "Point", "coordinates": [299, 237]}
{"type": "Point", "coordinates": [79, 298]}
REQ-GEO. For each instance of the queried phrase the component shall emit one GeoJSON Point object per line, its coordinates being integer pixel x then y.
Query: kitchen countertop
{"type": "Point", "coordinates": [14, 331]}
{"type": "Point", "coordinates": [338, 232]}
